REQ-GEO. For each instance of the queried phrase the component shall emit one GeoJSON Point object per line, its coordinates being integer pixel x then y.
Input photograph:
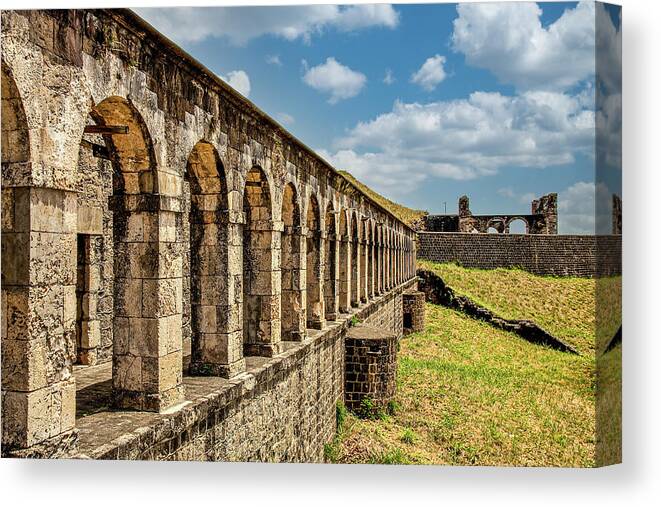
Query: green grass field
{"type": "Point", "coordinates": [565, 306]}
{"type": "Point", "coordinates": [470, 394]}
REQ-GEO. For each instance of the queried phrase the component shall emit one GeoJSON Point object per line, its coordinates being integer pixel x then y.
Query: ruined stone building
{"type": "Point", "coordinates": [178, 271]}
{"type": "Point", "coordinates": [543, 219]}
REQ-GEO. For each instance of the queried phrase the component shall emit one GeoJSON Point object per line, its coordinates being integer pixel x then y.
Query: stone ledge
{"type": "Point", "coordinates": [208, 399]}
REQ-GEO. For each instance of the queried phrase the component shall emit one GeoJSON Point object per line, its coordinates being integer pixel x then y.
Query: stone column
{"type": "Point", "coordinates": [262, 290]}
{"type": "Point", "coordinates": [216, 310]}
{"type": "Point", "coordinates": [331, 292]}
{"type": "Point", "coordinates": [356, 277]}
{"type": "Point", "coordinates": [88, 277]}
{"type": "Point", "coordinates": [315, 276]}
{"type": "Point", "coordinates": [38, 317]}
{"type": "Point", "coordinates": [293, 297]}
{"type": "Point", "coordinates": [147, 328]}
{"type": "Point", "coordinates": [344, 264]}
{"type": "Point", "coordinates": [378, 261]}
{"type": "Point", "coordinates": [363, 290]}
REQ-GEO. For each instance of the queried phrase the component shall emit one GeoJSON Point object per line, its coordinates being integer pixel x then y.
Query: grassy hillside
{"type": "Point", "coordinates": [468, 394]}
{"type": "Point", "coordinates": [406, 215]}
{"type": "Point", "coordinates": [563, 306]}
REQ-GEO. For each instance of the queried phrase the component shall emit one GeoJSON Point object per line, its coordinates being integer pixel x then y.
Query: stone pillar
{"type": "Point", "coordinates": [413, 311]}
{"type": "Point", "coordinates": [293, 295]}
{"type": "Point", "coordinates": [370, 267]}
{"type": "Point", "coordinates": [147, 328]}
{"type": "Point", "coordinates": [88, 329]}
{"type": "Point", "coordinates": [262, 289]}
{"type": "Point", "coordinates": [315, 277]}
{"type": "Point", "coordinates": [38, 317]}
{"type": "Point", "coordinates": [331, 292]}
{"type": "Point", "coordinates": [217, 347]}
{"type": "Point", "coordinates": [345, 274]}
{"type": "Point", "coordinates": [379, 265]}
{"type": "Point", "coordinates": [363, 253]}
{"type": "Point", "coordinates": [386, 266]}
{"type": "Point", "coordinates": [370, 369]}
{"type": "Point", "coordinates": [355, 272]}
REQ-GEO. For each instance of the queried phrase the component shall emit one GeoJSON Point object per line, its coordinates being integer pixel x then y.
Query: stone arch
{"type": "Point", "coordinates": [355, 261]}
{"type": "Point", "coordinates": [215, 344]}
{"type": "Point", "coordinates": [331, 294]}
{"type": "Point", "coordinates": [521, 226]}
{"type": "Point", "coordinates": [291, 262]}
{"type": "Point", "coordinates": [147, 323]}
{"type": "Point", "coordinates": [261, 276]}
{"type": "Point", "coordinates": [15, 132]}
{"type": "Point", "coordinates": [132, 153]}
{"type": "Point", "coordinates": [314, 265]}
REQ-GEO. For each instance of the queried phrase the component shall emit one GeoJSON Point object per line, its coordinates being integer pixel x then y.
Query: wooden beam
{"type": "Point", "coordinates": [106, 129]}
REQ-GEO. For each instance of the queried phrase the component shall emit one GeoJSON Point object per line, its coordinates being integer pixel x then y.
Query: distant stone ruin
{"type": "Point", "coordinates": [543, 219]}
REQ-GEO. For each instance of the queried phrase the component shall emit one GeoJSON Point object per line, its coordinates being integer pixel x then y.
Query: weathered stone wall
{"type": "Point", "coordinates": [280, 409]}
{"type": "Point", "coordinates": [370, 369]}
{"type": "Point", "coordinates": [413, 307]}
{"type": "Point", "coordinates": [143, 215]}
{"type": "Point", "coordinates": [559, 255]}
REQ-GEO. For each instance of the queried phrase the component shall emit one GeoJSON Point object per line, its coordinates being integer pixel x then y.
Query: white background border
{"type": "Point", "coordinates": [636, 482]}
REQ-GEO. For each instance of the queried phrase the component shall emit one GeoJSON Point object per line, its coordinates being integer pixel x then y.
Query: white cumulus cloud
{"type": "Point", "coordinates": [431, 73]}
{"type": "Point", "coordinates": [465, 138]}
{"type": "Point", "coordinates": [239, 80]}
{"type": "Point", "coordinates": [242, 24]}
{"type": "Point", "coordinates": [335, 79]}
{"type": "Point", "coordinates": [509, 39]}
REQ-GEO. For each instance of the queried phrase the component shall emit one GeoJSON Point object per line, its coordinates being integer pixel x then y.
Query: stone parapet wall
{"type": "Point", "coordinates": [558, 255]}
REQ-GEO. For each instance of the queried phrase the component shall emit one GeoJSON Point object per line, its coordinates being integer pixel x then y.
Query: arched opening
{"type": "Point", "coordinates": [330, 266]}
{"type": "Point", "coordinates": [314, 267]}
{"type": "Point", "coordinates": [261, 318]}
{"type": "Point", "coordinates": [496, 226]}
{"type": "Point", "coordinates": [293, 293]}
{"type": "Point", "coordinates": [147, 322]}
{"type": "Point", "coordinates": [517, 226]}
{"type": "Point", "coordinates": [206, 263]}
{"type": "Point", "coordinates": [355, 262]}
{"type": "Point", "coordinates": [345, 264]}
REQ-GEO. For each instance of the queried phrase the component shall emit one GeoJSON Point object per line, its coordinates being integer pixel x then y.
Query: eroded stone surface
{"type": "Point", "coordinates": [172, 248]}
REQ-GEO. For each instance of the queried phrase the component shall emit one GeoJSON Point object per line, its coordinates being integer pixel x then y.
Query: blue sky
{"type": "Point", "coordinates": [423, 102]}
